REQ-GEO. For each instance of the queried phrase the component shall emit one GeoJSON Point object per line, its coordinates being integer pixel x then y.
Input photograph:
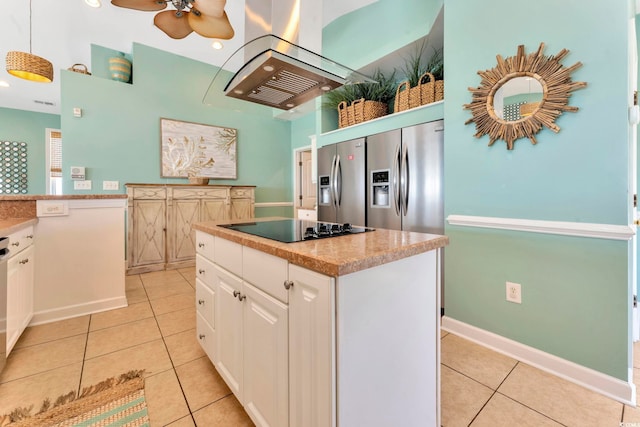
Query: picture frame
{"type": "Point", "coordinates": [197, 150]}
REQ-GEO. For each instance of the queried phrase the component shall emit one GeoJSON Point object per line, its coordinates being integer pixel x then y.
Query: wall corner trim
{"type": "Point", "coordinates": [578, 229]}
{"type": "Point", "coordinates": [614, 388]}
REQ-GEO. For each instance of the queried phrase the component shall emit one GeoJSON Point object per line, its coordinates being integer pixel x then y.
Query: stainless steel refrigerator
{"type": "Point", "coordinates": [405, 179]}
{"type": "Point", "coordinates": [341, 182]}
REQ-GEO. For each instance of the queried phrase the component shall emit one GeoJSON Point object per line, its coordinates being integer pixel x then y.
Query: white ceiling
{"type": "Point", "coordinates": [63, 31]}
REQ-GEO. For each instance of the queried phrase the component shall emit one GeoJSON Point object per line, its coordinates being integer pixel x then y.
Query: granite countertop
{"type": "Point", "coordinates": [335, 256]}
{"type": "Point", "coordinates": [8, 226]}
{"type": "Point", "coordinates": [29, 197]}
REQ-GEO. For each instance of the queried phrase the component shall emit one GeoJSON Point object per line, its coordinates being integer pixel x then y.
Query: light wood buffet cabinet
{"type": "Point", "coordinates": [160, 218]}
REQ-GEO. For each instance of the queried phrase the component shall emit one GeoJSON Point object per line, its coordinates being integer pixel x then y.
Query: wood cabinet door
{"type": "Point", "coordinates": [214, 209]}
{"type": "Point", "coordinates": [148, 232]}
{"type": "Point", "coordinates": [228, 324]}
{"type": "Point", "coordinates": [311, 349]}
{"type": "Point", "coordinates": [182, 240]}
{"type": "Point", "coordinates": [266, 361]}
{"type": "Point", "coordinates": [242, 208]}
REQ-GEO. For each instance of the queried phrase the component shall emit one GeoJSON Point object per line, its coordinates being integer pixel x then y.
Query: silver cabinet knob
{"type": "Point", "coordinates": [201, 336]}
{"type": "Point", "coordinates": [288, 284]}
{"type": "Point", "coordinates": [236, 293]}
{"type": "Point", "coordinates": [201, 301]}
{"type": "Point", "coordinates": [201, 245]}
{"type": "Point", "coordinates": [242, 297]}
{"type": "Point", "coordinates": [24, 261]}
{"type": "Point", "coordinates": [15, 244]}
{"type": "Point", "coordinates": [201, 271]}
{"type": "Point", "coordinates": [30, 236]}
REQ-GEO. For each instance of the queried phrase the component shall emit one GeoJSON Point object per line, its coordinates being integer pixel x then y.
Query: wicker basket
{"type": "Point", "coordinates": [360, 110]}
{"type": "Point", "coordinates": [79, 68]}
{"type": "Point", "coordinates": [423, 93]}
{"type": "Point", "coordinates": [198, 180]}
{"type": "Point", "coordinates": [439, 91]}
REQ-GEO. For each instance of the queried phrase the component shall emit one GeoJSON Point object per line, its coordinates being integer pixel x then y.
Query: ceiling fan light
{"type": "Point", "coordinates": [29, 67]}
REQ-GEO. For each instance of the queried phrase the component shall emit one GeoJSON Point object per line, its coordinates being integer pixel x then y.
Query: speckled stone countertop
{"type": "Point", "coordinates": [336, 256]}
{"type": "Point", "coordinates": [29, 197]}
{"type": "Point", "coordinates": [8, 226]}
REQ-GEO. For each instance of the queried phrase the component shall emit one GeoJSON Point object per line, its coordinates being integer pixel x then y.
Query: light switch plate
{"type": "Point", "coordinates": [82, 185]}
{"type": "Point", "coordinates": [110, 185]}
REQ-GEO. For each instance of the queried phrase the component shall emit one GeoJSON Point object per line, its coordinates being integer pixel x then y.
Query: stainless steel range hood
{"type": "Point", "coordinates": [279, 74]}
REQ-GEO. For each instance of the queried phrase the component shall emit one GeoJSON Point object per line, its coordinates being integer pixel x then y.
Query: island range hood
{"type": "Point", "coordinates": [274, 72]}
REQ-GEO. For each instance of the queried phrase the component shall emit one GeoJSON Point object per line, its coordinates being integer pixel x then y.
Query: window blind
{"type": "Point", "coordinates": [55, 145]}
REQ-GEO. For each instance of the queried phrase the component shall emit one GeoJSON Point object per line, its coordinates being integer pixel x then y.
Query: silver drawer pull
{"type": "Point", "coordinates": [30, 236]}
{"type": "Point", "coordinates": [242, 297]}
{"type": "Point", "coordinates": [201, 245]}
{"type": "Point", "coordinates": [15, 244]}
{"type": "Point", "coordinates": [288, 284]}
{"type": "Point", "coordinates": [201, 336]}
{"type": "Point", "coordinates": [236, 293]}
{"type": "Point", "coordinates": [24, 261]}
{"type": "Point", "coordinates": [201, 301]}
{"type": "Point", "coordinates": [201, 271]}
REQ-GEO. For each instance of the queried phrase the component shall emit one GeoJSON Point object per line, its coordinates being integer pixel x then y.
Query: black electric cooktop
{"type": "Point", "coordinates": [295, 230]}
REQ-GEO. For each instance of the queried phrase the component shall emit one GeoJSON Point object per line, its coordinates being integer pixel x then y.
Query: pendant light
{"type": "Point", "coordinates": [27, 65]}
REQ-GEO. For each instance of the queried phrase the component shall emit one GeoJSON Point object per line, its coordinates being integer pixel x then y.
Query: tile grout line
{"type": "Point", "coordinates": [173, 366]}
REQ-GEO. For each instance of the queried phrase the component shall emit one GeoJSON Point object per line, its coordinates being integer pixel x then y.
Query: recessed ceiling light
{"type": "Point", "coordinates": [290, 105]}
{"type": "Point", "coordinates": [3, 83]}
{"type": "Point", "coordinates": [238, 91]}
{"type": "Point", "coordinates": [326, 88]}
{"type": "Point", "coordinates": [93, 3]}
{"type": "Point", "coordinates": [268, 68]}
{"type": "Point", "coordinates": [217, 45]}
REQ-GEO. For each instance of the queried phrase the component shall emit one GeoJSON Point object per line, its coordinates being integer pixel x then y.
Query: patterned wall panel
{"type": "Point", "coordinates": [13, 167]}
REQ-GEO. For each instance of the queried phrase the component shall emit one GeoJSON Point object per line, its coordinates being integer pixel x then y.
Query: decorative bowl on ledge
{"type": "Point", "coordinates": [198, 180]}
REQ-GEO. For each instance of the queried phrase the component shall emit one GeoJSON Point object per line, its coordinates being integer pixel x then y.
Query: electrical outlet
{"type": "Point", "coordinates": [514, 292]}
{"type": "Point", "coordinates": [82, 185]}
{"type": "Point", "coordinates": [109, 185]}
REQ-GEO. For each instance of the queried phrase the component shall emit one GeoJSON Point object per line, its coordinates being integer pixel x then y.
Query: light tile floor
{"type": "Point", "coordinates": [156, 332]}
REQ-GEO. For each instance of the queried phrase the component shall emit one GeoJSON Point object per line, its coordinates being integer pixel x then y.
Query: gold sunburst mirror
{"type": "Point", "coordinates": [522, 94]}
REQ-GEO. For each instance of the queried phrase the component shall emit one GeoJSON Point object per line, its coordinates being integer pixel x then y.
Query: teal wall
{"type": "Point", "coordinates": [576, 291]}
{"type": "Point", "coordinates": [30, 127]}
{"type": "Point", "coordinates": [118, 136]}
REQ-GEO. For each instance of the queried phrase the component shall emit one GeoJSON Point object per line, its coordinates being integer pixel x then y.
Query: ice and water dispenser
{"type": "Point", "coordinates": [380, 188]}
{"type": "Point", "coordinates": [325, 190]}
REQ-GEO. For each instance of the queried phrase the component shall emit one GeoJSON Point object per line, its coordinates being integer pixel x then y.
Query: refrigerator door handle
{"type": "Point", "coordinates": [396, 179]}
{"type": "Point", "coordinates": [332, 180]}
{"type": "Point", "coordinates": [404, 180]}
{"type": "Point", "coordinates": [338, 181]}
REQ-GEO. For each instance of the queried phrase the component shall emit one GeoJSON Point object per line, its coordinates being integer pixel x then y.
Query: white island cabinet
{"type": "Point", "coordinates": [353, 343]}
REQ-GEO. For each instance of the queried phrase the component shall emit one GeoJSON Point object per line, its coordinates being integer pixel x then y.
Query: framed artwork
{"type": "Point", "coordinates": [197, 150]}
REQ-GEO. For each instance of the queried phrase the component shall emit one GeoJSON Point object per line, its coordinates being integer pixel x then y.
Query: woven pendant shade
{"type": "Point", "coordinates": [30, 67]}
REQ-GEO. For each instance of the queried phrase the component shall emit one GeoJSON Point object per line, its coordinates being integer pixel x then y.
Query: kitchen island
{"type": "Point", "coordinates": [339, 331]}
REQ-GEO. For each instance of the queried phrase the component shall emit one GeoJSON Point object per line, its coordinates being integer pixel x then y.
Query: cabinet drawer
{"type": "Point", "coordinates": [228, 255]}
{"type": "Point", "coordinates": [152, 193]}
{"type": "Point", "coordinates": [204, 245]}
{"type": "Point", "coordinates": [206, 336]}
{"type": "Point", "coordinates": [266, 272]}
{"type": "Point", "coordinates": [200, 193]}
{"type": "Point", "coordinates": [20, 240]}
{"type": "Point", "coordinates": [242, 193]}
{"type": "Point", "coordinates": [205, 271]}
{"type": "Point", "coordinates": [205, 302]}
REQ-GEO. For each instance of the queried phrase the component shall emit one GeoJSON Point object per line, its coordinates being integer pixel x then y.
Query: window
{"type": "Point", "coordinates": [54, 161]}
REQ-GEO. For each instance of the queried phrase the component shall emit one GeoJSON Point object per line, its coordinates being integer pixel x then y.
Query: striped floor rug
{"type": "Point", "coordinates": [113, 402]}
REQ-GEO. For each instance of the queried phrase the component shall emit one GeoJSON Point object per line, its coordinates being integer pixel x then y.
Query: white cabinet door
{"type": "Point", "coordinates": [20, 274]}
{"type": "Point", "coordinates": [266, 361]}
{"type": "Point", "coordinates": [228, 323]}
{"type": "Point", "coordinates": [311, 349]}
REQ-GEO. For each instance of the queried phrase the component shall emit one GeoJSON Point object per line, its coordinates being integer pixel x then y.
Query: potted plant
{"type": "Point", "coordinates": [360, 102]}
{"type": "Point", "coordinates": [424, 79]}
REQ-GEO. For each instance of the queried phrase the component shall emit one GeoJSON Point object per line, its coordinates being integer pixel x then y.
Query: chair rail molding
{"type": "Point", "coordinates": [578, 229]}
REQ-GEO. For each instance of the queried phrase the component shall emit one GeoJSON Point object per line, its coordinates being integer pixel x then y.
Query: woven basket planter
{"type": "Point", "coordinates": [79, 68]}
{"type": "Point", "coordinates": [427, 91]}
{"type": "Point", "coordinates": [360, 110]}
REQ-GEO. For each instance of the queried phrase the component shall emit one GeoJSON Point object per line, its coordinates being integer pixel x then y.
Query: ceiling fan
{"type": "Point", "coordinates": [205, 17]}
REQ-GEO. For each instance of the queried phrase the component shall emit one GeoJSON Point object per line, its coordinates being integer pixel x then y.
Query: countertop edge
{"type": "Point", "coordinates": [304, 256]}
{"type": "Point", "coordinates": [11, 225]}
{"type": "Point", "coordinates": [30, 197]}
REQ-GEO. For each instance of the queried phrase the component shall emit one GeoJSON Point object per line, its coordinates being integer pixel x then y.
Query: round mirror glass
{"type": "Point", "coordinates": [517, 98]}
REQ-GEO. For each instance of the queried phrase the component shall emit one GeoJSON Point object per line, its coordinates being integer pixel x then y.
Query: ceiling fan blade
{"type": "Point", "coordinates": [211, 26]}
{"type": "Point", "coordinates": [176, 27]}
{"type": "Point", "coordinates": [146, 5]}
{"type": "Point", "coordinates": [213, 8]}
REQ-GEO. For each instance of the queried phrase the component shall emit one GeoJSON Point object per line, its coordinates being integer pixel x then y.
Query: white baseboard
{"type": "Point", "coordinates": [62, 313]}
{"type": "Point", "coordinates": [606, 385]}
